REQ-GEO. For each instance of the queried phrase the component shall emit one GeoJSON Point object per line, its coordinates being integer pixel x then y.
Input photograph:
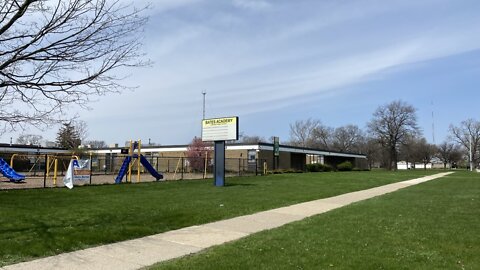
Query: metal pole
{"type": "Point", "coordinates": [182, 168]}
{"type": "Point", "coordinates": [204, 93]}
{"type": "Point", "coordinates": [139, 148]}
{"type": "Point", "coordinates": [45, 172]}
{"type": "Point", "coordinates": [91, 169]}
{"type": "Point", "coordinates": [219, 169]}
{"type": "Point", "coordinates": [470, 154]}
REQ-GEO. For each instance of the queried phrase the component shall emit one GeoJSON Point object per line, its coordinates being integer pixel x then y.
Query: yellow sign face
{"type": "Point", "coordinates": [220, 129]}
{"type": "Point", "coordinates": [219, 121]}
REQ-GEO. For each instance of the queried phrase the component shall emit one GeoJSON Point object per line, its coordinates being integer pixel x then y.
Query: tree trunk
{"type": "Point", "coordinates": [393, 158]}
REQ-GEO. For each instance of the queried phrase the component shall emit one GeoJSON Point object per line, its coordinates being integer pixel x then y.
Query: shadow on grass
{"type": "Point", "coordinates": [239, 184]}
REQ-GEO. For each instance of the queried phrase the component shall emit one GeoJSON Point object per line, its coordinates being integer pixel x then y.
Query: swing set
{"type": "Point", "coordinates": [51, 165]}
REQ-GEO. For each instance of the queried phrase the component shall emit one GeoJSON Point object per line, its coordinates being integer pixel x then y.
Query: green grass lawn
{"type": "Point", "coordinates": [434, 225]}
{"type": "Point", "coordinates": [41, 222]}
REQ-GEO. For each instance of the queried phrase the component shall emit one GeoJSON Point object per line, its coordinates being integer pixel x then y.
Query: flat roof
{"type": "Point", "coordinates": [15, 148]}
{"type": "Point", "coordinates": [237, 146]}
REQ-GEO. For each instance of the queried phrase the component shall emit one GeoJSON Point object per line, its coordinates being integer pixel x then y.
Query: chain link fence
{"type": "Point", "coordinates": [42, 170]}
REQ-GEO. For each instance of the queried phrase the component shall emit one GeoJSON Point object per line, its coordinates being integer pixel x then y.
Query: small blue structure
{"type": "Point", "coordinates": [10, 173]}
{"type": "Point", "coordinates": [131, 157]}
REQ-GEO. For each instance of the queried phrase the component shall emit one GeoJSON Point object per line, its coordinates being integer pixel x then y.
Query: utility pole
{"type": "Point", "coordinates": [470, 154]}
{"type": "Point", "coordinates": [204, 93]}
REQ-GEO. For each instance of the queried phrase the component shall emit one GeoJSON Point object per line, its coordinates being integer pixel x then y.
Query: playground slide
{"type": "Point", "coordinates": [150, 168]}
{"type": "Point", "coordinates": [10, 173]}
{"type": "Point", "coordinates": [123, 170]}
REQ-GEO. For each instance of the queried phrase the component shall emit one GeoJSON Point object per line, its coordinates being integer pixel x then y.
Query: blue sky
{"type": "Point", "coordinates": [274, 62]}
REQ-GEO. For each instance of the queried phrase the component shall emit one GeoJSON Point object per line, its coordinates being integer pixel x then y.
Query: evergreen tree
{"type": "Point", "coordinates": [68, 137]}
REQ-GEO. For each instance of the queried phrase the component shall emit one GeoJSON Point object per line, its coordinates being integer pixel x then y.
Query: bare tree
{"type": "Point", "coordinates": [424, 151]}
{"type": "Point", "coordinates": [407, 152]}
{"type": "Point", "coordinates": [391, 125]}
{"type": "Point", "coordinates": [466, 134]}
{"type": "Point", "coordinates": [59, 53]}
{"type": "Point", "coordinates": [310, 133]}
{"type": "Point", "coordinates": [347, 138]}
{"type": "Point", "coordinates": [251, 139]}
{"type": "Point", "coordinates": [29, 139]}
{"type": "Point", "coordinates": [302, 131]}
{"type": "Point", "coordinates": [322, 137]}
{"type": "Point", "coordinates": [96, 144]}
{"type": "Point", "coordinates": [81, 128]}
{"type": "Point", "coordinates": [370, 147]}
{"type": "Point", "coordinates": [449, 153]}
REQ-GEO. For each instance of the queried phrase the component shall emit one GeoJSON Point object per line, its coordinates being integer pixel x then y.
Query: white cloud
{"type": "Point", "coordinates": [251, 4]}
{"type": "Point", "coordinates": [159, 6]}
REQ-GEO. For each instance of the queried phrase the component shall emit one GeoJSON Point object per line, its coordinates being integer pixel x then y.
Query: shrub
{"type": "Point", "coordinates": [292, 171]}
{"type": "Point", "coordinates": [345, 166]}
{"type": "Point", "coordinates": [311, 168]}
{"type": "Point", "coordinates": [327, 168]}
{"type": "Point", "coordinates": [317, 167]}
{"type": "Point", "coordinates": [282, 171]}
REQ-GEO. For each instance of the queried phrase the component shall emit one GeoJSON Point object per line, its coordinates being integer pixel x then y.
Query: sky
{"type": "Point", "coordinates": [272, 62]}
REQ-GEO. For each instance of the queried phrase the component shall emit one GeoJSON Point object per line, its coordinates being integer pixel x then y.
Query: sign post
{"type": "Point", "coordinates": [219, 130]}
{"type": "Point", "coordinates": [276, 152]}
{"type": "Point", "coordinates": [219, 169]}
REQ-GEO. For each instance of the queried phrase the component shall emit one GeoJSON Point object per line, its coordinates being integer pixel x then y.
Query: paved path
{"type": "Point", "coordinates": [138, 253]}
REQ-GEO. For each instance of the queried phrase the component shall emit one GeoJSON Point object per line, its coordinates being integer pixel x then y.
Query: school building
{"type": "Point", "coordinates": [289, 157]}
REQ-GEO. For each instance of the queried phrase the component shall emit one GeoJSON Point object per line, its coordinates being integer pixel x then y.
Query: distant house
{"type": "Point", "coordinates": [434, 163]}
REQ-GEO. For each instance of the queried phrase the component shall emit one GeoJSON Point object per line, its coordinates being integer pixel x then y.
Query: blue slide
{"type": "Point", "coordinates": [123, 170]}
{"type": "Point", "coordinates": [150, 168]}
{"type": "Point", "coordinates": [10, 173]}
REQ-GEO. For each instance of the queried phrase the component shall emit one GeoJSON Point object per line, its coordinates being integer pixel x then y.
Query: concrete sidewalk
{"type": "Point", "coordinates": [138, 253]}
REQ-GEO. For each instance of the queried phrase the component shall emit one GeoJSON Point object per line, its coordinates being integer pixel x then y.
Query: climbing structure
{"type": "Point", "coordinates": [135, 157]}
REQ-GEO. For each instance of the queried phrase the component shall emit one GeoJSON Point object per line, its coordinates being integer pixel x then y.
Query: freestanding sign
{"type": "Point", "coordinates": [276, 151]}
{"type": "Point", "coordinates": [219, 130]}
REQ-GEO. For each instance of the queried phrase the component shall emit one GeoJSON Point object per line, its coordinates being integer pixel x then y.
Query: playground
{"type": "Point", "coordinates": [33, 170]}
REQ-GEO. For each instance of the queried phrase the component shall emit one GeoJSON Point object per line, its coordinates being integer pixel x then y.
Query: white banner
{"type": "Point", "coordinates": [78, 170]}
{"type": "Point", "coordinates": [68, 178]}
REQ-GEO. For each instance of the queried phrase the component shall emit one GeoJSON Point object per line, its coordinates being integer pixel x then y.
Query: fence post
{"type": "Point", "coordinates": [91, 169]}
{"type": "Point", "coordinates": [239, 167]}
{"type": "Point", "coordinates": [111, 163]}
{"type": "Point", "coordinates": [45, 172]}
{"type": "Point", "coordinates": [35, 165]}
{"type": "Point", "coordinates": [156, 165]}
{"type": "Point", "coordinates": [182, 169]}
{"type": "Point", "coordinates": [256, 167]}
